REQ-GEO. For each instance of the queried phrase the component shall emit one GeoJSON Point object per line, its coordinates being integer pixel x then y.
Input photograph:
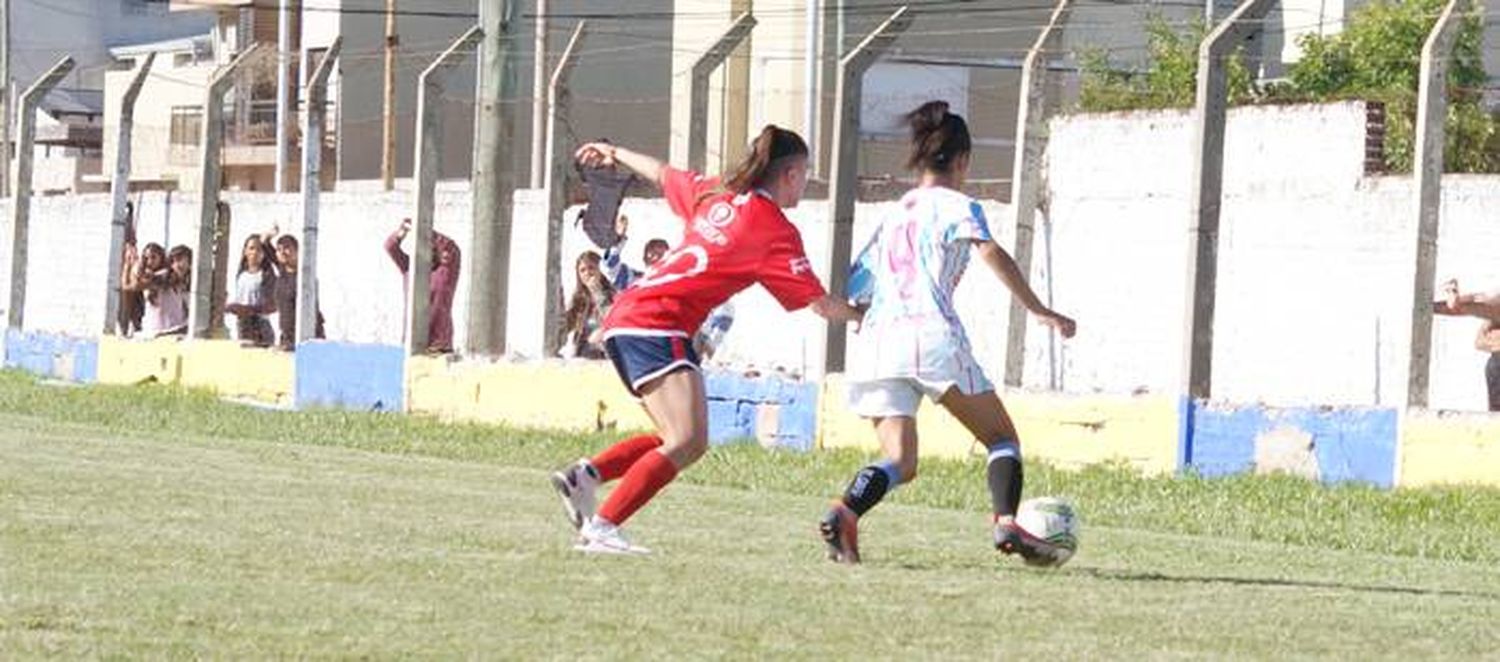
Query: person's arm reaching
{"type": "Point", "coordinates": [1005, 268]}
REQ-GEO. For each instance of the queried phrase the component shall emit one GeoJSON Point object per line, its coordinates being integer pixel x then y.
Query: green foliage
{"type": "Point", "coordinates": [1376, 57]}
{"type": "Point", "coordinates": [1170, 80]}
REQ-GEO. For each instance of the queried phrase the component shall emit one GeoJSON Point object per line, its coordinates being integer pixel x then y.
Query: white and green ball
{"type": "Point", "coordinates": [1054, 520]}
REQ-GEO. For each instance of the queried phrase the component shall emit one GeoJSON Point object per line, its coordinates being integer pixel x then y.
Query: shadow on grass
{"type": "Point", "coordinates": [1125, 575]}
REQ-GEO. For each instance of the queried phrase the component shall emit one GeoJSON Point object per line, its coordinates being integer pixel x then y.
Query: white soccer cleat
{"type": "Point", "coordinates": [576, 485]}
{"type": "Point", "coordinates": [601, 537]}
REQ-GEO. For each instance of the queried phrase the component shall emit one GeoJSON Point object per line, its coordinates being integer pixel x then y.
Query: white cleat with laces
{"type": "Point", "coordinates": [600, 537]}
{"type": "Point", "coordinates": [576, 485]}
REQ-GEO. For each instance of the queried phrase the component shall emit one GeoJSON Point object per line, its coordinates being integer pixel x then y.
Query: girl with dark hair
{"type": "Point", "coordinates": [441, 286]}
{"type": "Point", "coordinates": [165, 307]}
{"type": "Point", "coordinates": [137, 283]}
{"type": "Point", "coordinates": [592, 296]}
{"type": "Point", "coordinates": [912, 344]}
{"type": "Point", "coordinates": [254, 295]}
{"type": "Point", "coordinates": [735, 236]}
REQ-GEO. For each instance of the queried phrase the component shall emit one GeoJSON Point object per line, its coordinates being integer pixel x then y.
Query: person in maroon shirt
{"type": "Point", "coordinates": [444, 280]}
{"type": "Point", "coordinates": [735, 235]}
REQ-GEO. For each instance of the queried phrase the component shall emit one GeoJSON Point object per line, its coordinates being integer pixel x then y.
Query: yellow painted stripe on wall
{"type": "Point", "coordinates": [572, 396]}
{"type": "Point", "coordinates": [1064, 430]}
{"type": "Point", "coordinates": [1449, 449]}
{"type": "Point", "coordinates": [124, 361]}
{"type": "Point", "coordinates": [230, 370]}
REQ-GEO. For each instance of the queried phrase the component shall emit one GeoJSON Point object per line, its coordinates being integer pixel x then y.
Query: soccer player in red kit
{"type": "Point", "coordinates": [735, 236]}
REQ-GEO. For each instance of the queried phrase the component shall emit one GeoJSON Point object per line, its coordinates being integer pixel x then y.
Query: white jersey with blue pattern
{"type": "Point", "coordinates": [907, 274]}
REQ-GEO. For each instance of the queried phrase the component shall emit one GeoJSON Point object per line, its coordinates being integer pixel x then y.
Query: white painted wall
{"type": "Point", "coordinates": [1315, 259]}
{"type": "Point", "coordinates": [1314, 280]}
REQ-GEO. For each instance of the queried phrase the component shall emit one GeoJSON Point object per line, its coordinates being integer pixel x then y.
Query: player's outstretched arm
{"type": "Point", "coordinates": [1004, 267]}
{"type": "Point", "coordinates": [604, 155]}
{"type": "Point", "coordinates": [836, 310]}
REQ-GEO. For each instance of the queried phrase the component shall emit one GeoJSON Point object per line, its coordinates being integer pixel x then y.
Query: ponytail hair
{"type": "Point", "coordinates": [770, 154]}
{"type": "Point", "coordinates": [938, 138]}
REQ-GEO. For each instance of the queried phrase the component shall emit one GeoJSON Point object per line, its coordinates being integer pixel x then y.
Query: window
{"type": "Point", "coordinates": [187, 125]}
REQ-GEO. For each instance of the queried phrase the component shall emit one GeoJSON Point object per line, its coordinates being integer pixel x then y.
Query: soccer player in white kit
{"type": "Point", "coordinates": [911, 343]}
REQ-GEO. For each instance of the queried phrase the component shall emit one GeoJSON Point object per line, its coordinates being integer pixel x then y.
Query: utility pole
{"type": "Point", "coordinates": [388, 116]}
{"type": "Point", "coordinates": [843, 180]}
{"type": "Point", "coordinates": [493, 179]}
{"type": "Point", "coordinates": [20, 220]}
{"type": "Point", "coordinates": [1206, 197]}
{"type": "Point", "coordinates": [1427, 169]}
{"type": "Point", "coordinates": [283, 91]}
{"type": "Point", "coordinates": [5, 98]}
{"type": "Point", "coordinates": [539, 99]}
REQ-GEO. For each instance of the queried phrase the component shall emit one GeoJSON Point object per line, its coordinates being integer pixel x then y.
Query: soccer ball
{"type": "Point", "coordinates": [1053, 520]}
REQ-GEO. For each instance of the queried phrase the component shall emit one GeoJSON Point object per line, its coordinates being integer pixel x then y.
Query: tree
{"type": "Point", "coordinates": [1376, 57]}
{"type": "Point", "coordinates": [1170, 79]}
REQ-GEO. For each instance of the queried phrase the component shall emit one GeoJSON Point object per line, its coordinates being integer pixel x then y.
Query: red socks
{"type": "Point", "coordinates": [614, 461]}
{"type": "Point", "coordinates": [642, 481]}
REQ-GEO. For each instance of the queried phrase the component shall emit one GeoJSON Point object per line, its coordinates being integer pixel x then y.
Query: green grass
{"type": "Point", "coordinates": [1446, 523]}
{"type": "Point", "coordinates": [120, 541]}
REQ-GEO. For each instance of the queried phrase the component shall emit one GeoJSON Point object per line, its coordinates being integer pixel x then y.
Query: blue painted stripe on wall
{"type": "Point", "coordinates": [1186, 408]}
{"type": "Point", "coordinates": [734, 404]}
{"type": "Point", "coordinates": [350, 376]}
{"type": "Point", "coordinates": [52, 355]}
{"type": "Point", "coordinates": [799, 417]}
{"type": "Point", "coordinates": [1347, 444]}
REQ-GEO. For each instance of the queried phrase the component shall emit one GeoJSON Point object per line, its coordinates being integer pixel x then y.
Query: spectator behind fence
{"type": "Point", "coordinates": [613, 265]}
{"type": "Point", "coordinates": [711, 335]}
{"type": "Point", "coordinates": [134, 282]}
{"type": "Point", "coordinates": [592, 296]}
{"type": "Point", "coordinates": [286, 294]}
{"type": "Point", "coordinates": [164, 296]}
{"type": "Point", "coordinates": [128, 317]}
{"type": "Point", "coordinates": [1487, 308]}
{"type": "Point", "coordinates": [443, 281]}
{"type": "Point", "coordinates": [180, 282]}
{"type": "Point", "coordinates": [254, 294]}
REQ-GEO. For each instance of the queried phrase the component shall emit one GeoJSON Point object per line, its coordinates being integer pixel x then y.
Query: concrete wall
{"type": "Point", "coordinates": [1315, 270]}
{"type": "Point", "coordinates": [1313, 303]}
{"type": "Point", "coordinates": [1315, 259]}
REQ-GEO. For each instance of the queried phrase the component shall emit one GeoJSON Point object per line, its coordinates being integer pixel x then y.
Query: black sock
{"type": "Point", "coordinates": [1005, 478]}
{"type": "Point", "coordinates": [869, 487]}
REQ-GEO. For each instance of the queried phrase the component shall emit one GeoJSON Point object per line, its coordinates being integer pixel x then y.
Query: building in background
{"type": "Point", "coordinates": [70, 119]}
{"type": "Point", "coordinates": [69, 138]}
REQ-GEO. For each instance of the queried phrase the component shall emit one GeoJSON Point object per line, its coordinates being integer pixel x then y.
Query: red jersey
{"type": "Point", "coordinates": [730, 243]}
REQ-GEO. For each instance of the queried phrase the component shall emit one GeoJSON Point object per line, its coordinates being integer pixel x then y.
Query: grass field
{"type": "Point", "coordinates": [242, 533]}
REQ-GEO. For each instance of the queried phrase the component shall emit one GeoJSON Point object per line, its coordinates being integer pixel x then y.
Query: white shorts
{"type": "Point", "coordinates": [895, 396]}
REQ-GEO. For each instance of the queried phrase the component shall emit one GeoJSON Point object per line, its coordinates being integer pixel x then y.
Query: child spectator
{"type": "Point", "coordinates": [441, 286]}
{"type": "Point", "coordinates": [128, 317]}
{"type": "Point", "coordinates": [592, 296]}
{"type": "Point", "coordinates": [613, 265]}
{"type": "Point", "coordinates": [139, 267]}
{"type": "Point", "coordinates": [165, 306]}
{"type": "Point", "coordinates": [179, 286]}
{"type": "Point", "coordinates": [286, 294]}
{"type": "Point", "coordinates": [254, 295]}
